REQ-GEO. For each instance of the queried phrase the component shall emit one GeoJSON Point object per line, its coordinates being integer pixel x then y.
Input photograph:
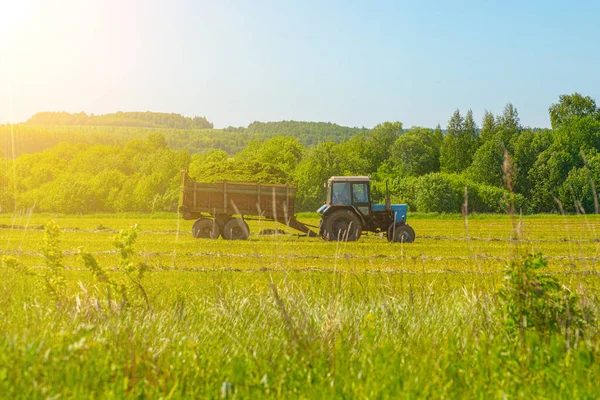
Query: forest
{"type": "Point", "coordinates": [64, 164]}
{"type": "Point", "coordinates": [140, 119]}
{"type": "Point", "coordinates": [38, 134]}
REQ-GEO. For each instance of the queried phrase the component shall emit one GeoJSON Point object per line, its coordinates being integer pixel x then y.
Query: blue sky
{"type": "Point", "coordinates": [352, 63]}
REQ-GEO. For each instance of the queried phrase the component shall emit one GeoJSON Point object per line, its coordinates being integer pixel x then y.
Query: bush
{"type": "Point", "coordinates": [445, 193]}
{"type": "Point", "coordinates": [534, 301]}
{"type": "Point", "coordinates": [402, 191]}
{"type": "Point", "coordinates": [435, 192]}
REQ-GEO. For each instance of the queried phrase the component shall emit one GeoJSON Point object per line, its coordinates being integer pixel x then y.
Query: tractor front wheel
{"type": "Point", "coordinates": [399, 232]}
{"type": "Point", "coordinates": [343, 226]}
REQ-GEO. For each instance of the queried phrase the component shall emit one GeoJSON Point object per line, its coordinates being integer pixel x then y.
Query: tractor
{"type": "Point", "coordinates": [348, 211]}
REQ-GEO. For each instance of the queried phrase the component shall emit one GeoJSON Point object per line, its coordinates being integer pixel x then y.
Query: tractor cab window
{"type": "Point", "coordinates": [341, 193]}
{"type": "Point", "coordinates": [360, 193]}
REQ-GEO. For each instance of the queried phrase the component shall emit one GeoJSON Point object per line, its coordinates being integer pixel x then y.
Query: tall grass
{"type": "Point", "coordinates": [282, 317]}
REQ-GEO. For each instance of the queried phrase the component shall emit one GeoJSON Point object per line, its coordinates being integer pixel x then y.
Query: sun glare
{"type": "Point", "coordinates": [13, 14]}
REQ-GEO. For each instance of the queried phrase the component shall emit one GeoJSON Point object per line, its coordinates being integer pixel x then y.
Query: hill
{"type": "Point", "coordinates": [136, 119]}
{"type": "Point", "coordinates": [47, 129]}
{"type": "Point", "coordinates": [35, 138]}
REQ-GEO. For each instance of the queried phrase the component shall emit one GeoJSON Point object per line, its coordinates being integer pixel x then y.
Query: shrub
{"type": "Point", "coordinates": [434, 193]}
{"type": "Point", "coordinates": [535, 301]}
{"type": "Point", "coordinates": [445, 193]}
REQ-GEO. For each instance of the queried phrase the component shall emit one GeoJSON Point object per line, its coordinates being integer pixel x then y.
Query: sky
{"type": "Point", "coordinates": [349, 62]}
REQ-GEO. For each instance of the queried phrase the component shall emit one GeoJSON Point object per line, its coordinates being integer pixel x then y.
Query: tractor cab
{"type": "Point", "coordinates": [350, 191]}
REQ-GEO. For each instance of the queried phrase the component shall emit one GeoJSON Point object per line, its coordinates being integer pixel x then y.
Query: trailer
{"type": "Point", "coordinates": [220, 208]}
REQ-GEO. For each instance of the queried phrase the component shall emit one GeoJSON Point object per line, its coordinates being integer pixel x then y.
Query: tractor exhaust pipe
{"type": "Point", "coordinates": [388, 204]}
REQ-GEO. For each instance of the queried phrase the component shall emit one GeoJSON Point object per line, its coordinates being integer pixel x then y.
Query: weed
{"type": "Point", "coordinates": [533, 300]}
{"type": "Point", "coordinates": [53, 275]}
{"type": "Point", "coordinates": [133, 271]}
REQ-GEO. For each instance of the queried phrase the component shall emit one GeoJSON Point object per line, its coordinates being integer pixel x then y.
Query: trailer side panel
{"type": "Point", "coordinates": [252, 199]}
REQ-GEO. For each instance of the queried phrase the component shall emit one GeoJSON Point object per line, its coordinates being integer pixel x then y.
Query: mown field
{"type": "Point", "coordinates": [293, 317]}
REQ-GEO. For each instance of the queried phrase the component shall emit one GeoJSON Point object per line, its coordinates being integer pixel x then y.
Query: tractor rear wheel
{"type": "Point", "coordinates": [343, 226]}
{"type": "Point", "coordinates": [399, 232]}
{"type": "Point", "coordinates": [205, 228]}
{"type": "Point", "coordinates": [236, 229]}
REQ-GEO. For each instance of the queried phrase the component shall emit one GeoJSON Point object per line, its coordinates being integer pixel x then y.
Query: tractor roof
{"type": "Point", "coordinates": [349, 179]}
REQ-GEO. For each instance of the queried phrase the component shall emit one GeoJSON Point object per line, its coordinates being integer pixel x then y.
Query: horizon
{"type": "Point", "coordinates": [350, 64]}
{"type": "Point", "coordinates": [404, 126]}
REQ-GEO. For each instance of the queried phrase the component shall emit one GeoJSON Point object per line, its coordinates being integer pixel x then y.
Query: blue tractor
{"type": "Point", "coordinates": [348, 211]}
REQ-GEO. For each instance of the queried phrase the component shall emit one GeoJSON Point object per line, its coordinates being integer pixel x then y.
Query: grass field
{"type": "Point", "coordinates": [294, 317]}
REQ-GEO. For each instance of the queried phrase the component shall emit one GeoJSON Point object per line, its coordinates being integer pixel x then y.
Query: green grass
{"type": "Point", "coordinates": [294, 317]}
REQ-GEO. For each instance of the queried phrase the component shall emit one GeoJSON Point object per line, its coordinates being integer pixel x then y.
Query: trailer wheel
{"type": "Point", "coordinates": [205, 228]}
{"type": "Point", "coordinates": [343, 226]}
{"type": "Point", "coordinates": [236, 229]}
{"type": "Point", "coordinates": [399, 232]}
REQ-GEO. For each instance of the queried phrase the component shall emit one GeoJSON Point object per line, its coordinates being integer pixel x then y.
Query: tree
{"type": "Point", "coordinates": [365, 152]}
{"type": "Point", "coordinates": [578, 133]}
{"type": "Point", "coordinates": [526, 148]}
{"type": "Point", "coordinates": [470, 138]}
{"type": "Point", "coordinates": [571, 106]}
{"type": "Point", "coordinates": [438, 135]}
{"type": "Point", "coordinates": [459, 144]}
{"type": "Point", "coordinates": [487, 163]}
{"type": "Point", "coordinates": [380, 142]}
{"type": "Point", "coordinates": [488, 126]}
{"type": "Point", "coordinates": [577, 191]}
{"type": "Point", "coordinates": [548, 173]}
{"type": "Point", "coordinates": [415, 153]}
{"type": "Point", "coordinates": [283, 151]}
{"type": "Point", "coordinates": [508, 125]}
{"type": "Point", "coordinates": [320, 163]}
{"type": "Point", "coordinates": [552, 167]}
{"type": "Point", "coordinates": [157, 140]}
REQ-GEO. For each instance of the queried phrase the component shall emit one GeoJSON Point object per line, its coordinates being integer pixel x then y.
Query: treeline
{"type": "Point", "coordinates": [28, 138]}
{"type": "Point", "coordinates": [138, 119]}
{"type": "Point", "coordinates": [542, 170]}
{"type": "Point", "coordinates": [309, 133]}
{"type": "Point", "coordinates": [546, 169]}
